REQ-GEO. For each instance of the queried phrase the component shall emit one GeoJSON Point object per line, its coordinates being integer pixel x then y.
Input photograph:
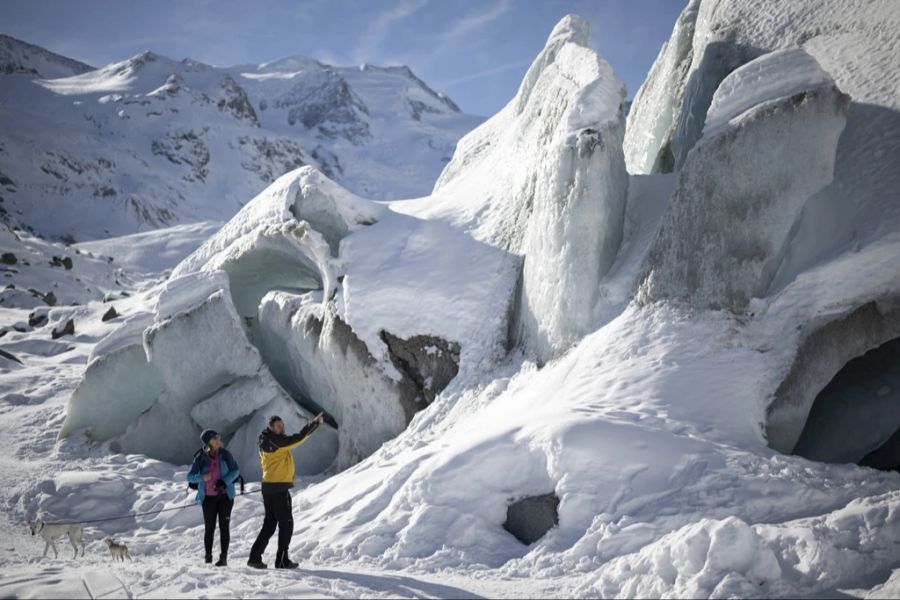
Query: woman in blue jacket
{"type": "Point", "coordinates": [214, 471]}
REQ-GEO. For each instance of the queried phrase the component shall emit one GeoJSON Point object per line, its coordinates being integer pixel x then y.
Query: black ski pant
{"type": "Point", "coordinates": [280, 515]}
{"type": "Point", "coordinates": [217, 507]}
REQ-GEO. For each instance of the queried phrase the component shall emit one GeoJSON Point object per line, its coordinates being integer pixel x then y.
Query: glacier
{"type": "Point", "coordinates": [714, 414]}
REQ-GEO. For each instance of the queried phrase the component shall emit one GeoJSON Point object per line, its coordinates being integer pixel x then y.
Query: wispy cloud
{"type": "Point", "coordinates": [485, 73]}
{"type": "Point", "coordinates": [474, 21]}
{"type": "Point", "coordinates": [450, 40]}
{"type": "Point", "coordinates": [378, 30]}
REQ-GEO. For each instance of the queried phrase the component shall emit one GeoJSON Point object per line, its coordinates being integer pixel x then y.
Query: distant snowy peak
{"type": "Point", "coordinates": [139, 74]}
{"type": "Point", "coordinates": [149, 141]}
{"type": "Point", "coordinates": [322, 100]}
{"type": "Point", "coordinates": [405, 71]}
{"type": "Point", "coordinates": [21, 58]}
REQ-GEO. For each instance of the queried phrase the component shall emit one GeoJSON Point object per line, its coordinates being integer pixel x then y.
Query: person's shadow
{"type": "Point", "coordinates": [394, 584]}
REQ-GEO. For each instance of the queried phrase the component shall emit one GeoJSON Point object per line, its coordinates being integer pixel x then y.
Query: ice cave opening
{"type": "Point", "coordinates": [275, 266]}
{"type": "Point", "coordinates": [856, 417]}
{"type": "Point", "coordinates": [255, 273]}
{"type": "Point", "coordinates": [839, 401]}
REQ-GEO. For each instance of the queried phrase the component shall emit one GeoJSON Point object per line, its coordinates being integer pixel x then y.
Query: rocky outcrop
{"type": "Point", "coordinates": [67, 329]}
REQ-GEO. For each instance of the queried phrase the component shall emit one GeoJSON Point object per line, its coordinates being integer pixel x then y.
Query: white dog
{"type": "Point", "coordinates": [52, 532]}
{"type": "Point", "coordinates": [118, 550]}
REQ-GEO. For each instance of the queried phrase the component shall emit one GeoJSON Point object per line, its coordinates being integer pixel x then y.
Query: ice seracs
{"type": "Point", "coordinates": [769, 144]}
{"type": "Point", "coordinates": [711, 38]}
{"type": "Point", "coordinates": [309, 299]}
{"type": "Point", "coordinates": [545, 178]}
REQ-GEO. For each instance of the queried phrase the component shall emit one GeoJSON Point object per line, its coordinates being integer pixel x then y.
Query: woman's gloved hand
{"type": "Point", "coordinates": [220, 486]}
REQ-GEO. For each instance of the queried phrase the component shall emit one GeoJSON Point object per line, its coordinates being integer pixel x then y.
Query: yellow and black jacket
{"type": "Point", "coordinates": [276, 459]}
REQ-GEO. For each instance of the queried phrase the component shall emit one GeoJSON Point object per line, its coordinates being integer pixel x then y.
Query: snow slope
{"type": "Point", "coordinates": [18, 57]}
{"type": "Point", "coordinates": [150, 142]}
{"type": "Point", "coordinates": [666, 432]}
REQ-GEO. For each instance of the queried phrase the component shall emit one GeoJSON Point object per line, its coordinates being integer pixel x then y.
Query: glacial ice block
{"type": "Point", "coordinates": [200, 350]}
{"type": "Point", "coordinates": [772, 134]}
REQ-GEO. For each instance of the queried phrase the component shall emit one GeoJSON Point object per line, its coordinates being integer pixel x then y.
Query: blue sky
{"type": "Point", "coordinates": [474, 50]}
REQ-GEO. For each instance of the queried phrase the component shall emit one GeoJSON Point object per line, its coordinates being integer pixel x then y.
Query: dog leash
{"type": "Point", "coordinates": [135, 515]}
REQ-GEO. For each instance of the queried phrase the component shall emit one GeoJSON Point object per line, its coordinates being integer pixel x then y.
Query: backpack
{"type": "Point", "coordinates": [195, 486]}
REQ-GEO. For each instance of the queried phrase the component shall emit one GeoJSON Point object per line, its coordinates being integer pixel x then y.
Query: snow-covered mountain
{"type": "Point", "coordinates": [21, 58]}
{"type": "Point", "coordinates": [550, 377]}
{"type": "Point", "coordinates": [150, 142]}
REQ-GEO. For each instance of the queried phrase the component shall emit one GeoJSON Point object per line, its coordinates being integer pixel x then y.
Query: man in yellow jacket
{"type": "Point", "coordinates": [277, 480]}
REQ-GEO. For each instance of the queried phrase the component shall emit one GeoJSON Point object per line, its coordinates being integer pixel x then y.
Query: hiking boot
{"type": "Point", "coordinates": [257, 564]}
{"type": "Point", "coordinates": [283, 562]}
{"type": "Point", "coordinates": [208, 558]}
{"type": "Point", "coordinates": [223, 560]}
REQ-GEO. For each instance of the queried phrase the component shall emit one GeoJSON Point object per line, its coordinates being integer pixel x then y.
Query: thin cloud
{"type": "Point", "coordinates": [484, 73]}
{"type": "Point", "coordinates": [475, 21]}
{"type": "Point", "coordinates": [368, 45]}
{"type": "Point", "coordinates": [451, 39]}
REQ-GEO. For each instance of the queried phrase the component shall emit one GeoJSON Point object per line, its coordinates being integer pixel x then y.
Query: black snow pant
{"type": "Point", "coordinates": [280, 515]}
{"type": "Point", "coordinates": [217, 507]}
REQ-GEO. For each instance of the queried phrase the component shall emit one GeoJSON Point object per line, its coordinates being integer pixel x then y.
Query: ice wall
{"type": "Point", "coordinates": [713, 37]}
{"type": "Point", "coordinates": [770, 143]}
{"type": "Point", "coordinates": [856, 42]}
{"type": "Point", "coordinates": [546, 178]}
{"type": "Point", "coordinates": [650, 126]}
{"type": "Point", "coordinates": [115, 389]}
{"type": "Point", "coordinates": [158, 382]}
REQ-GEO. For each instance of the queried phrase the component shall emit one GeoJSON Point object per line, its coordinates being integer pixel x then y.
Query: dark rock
{"type": "Point", "coordinates": [10, 286]}
{"type": "Point", "coordinates": [37, 320]}
{"type": "Point", "coordinates": [430, 362]}
{"type": "Point", "coordinates": [20, 328]}
{"type": "Point", "coordinates": [110, 314]}
{"type": "Point", "coordinates": [67, 329]}
{"type": "Point", "coordinates": [8, 258]}
{"type": "Point", "coordinates": [530, 518]}
{"type": "Point", "coordinates": [50, 299]}
{"type": "Point", "coordinates": [61, 261]}
{"type": "Point", "coordinates": [6, 354]}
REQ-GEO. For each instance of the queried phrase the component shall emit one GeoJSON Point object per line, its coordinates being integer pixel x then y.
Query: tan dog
{"type": "Point", "coordinates": [118, 550]}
